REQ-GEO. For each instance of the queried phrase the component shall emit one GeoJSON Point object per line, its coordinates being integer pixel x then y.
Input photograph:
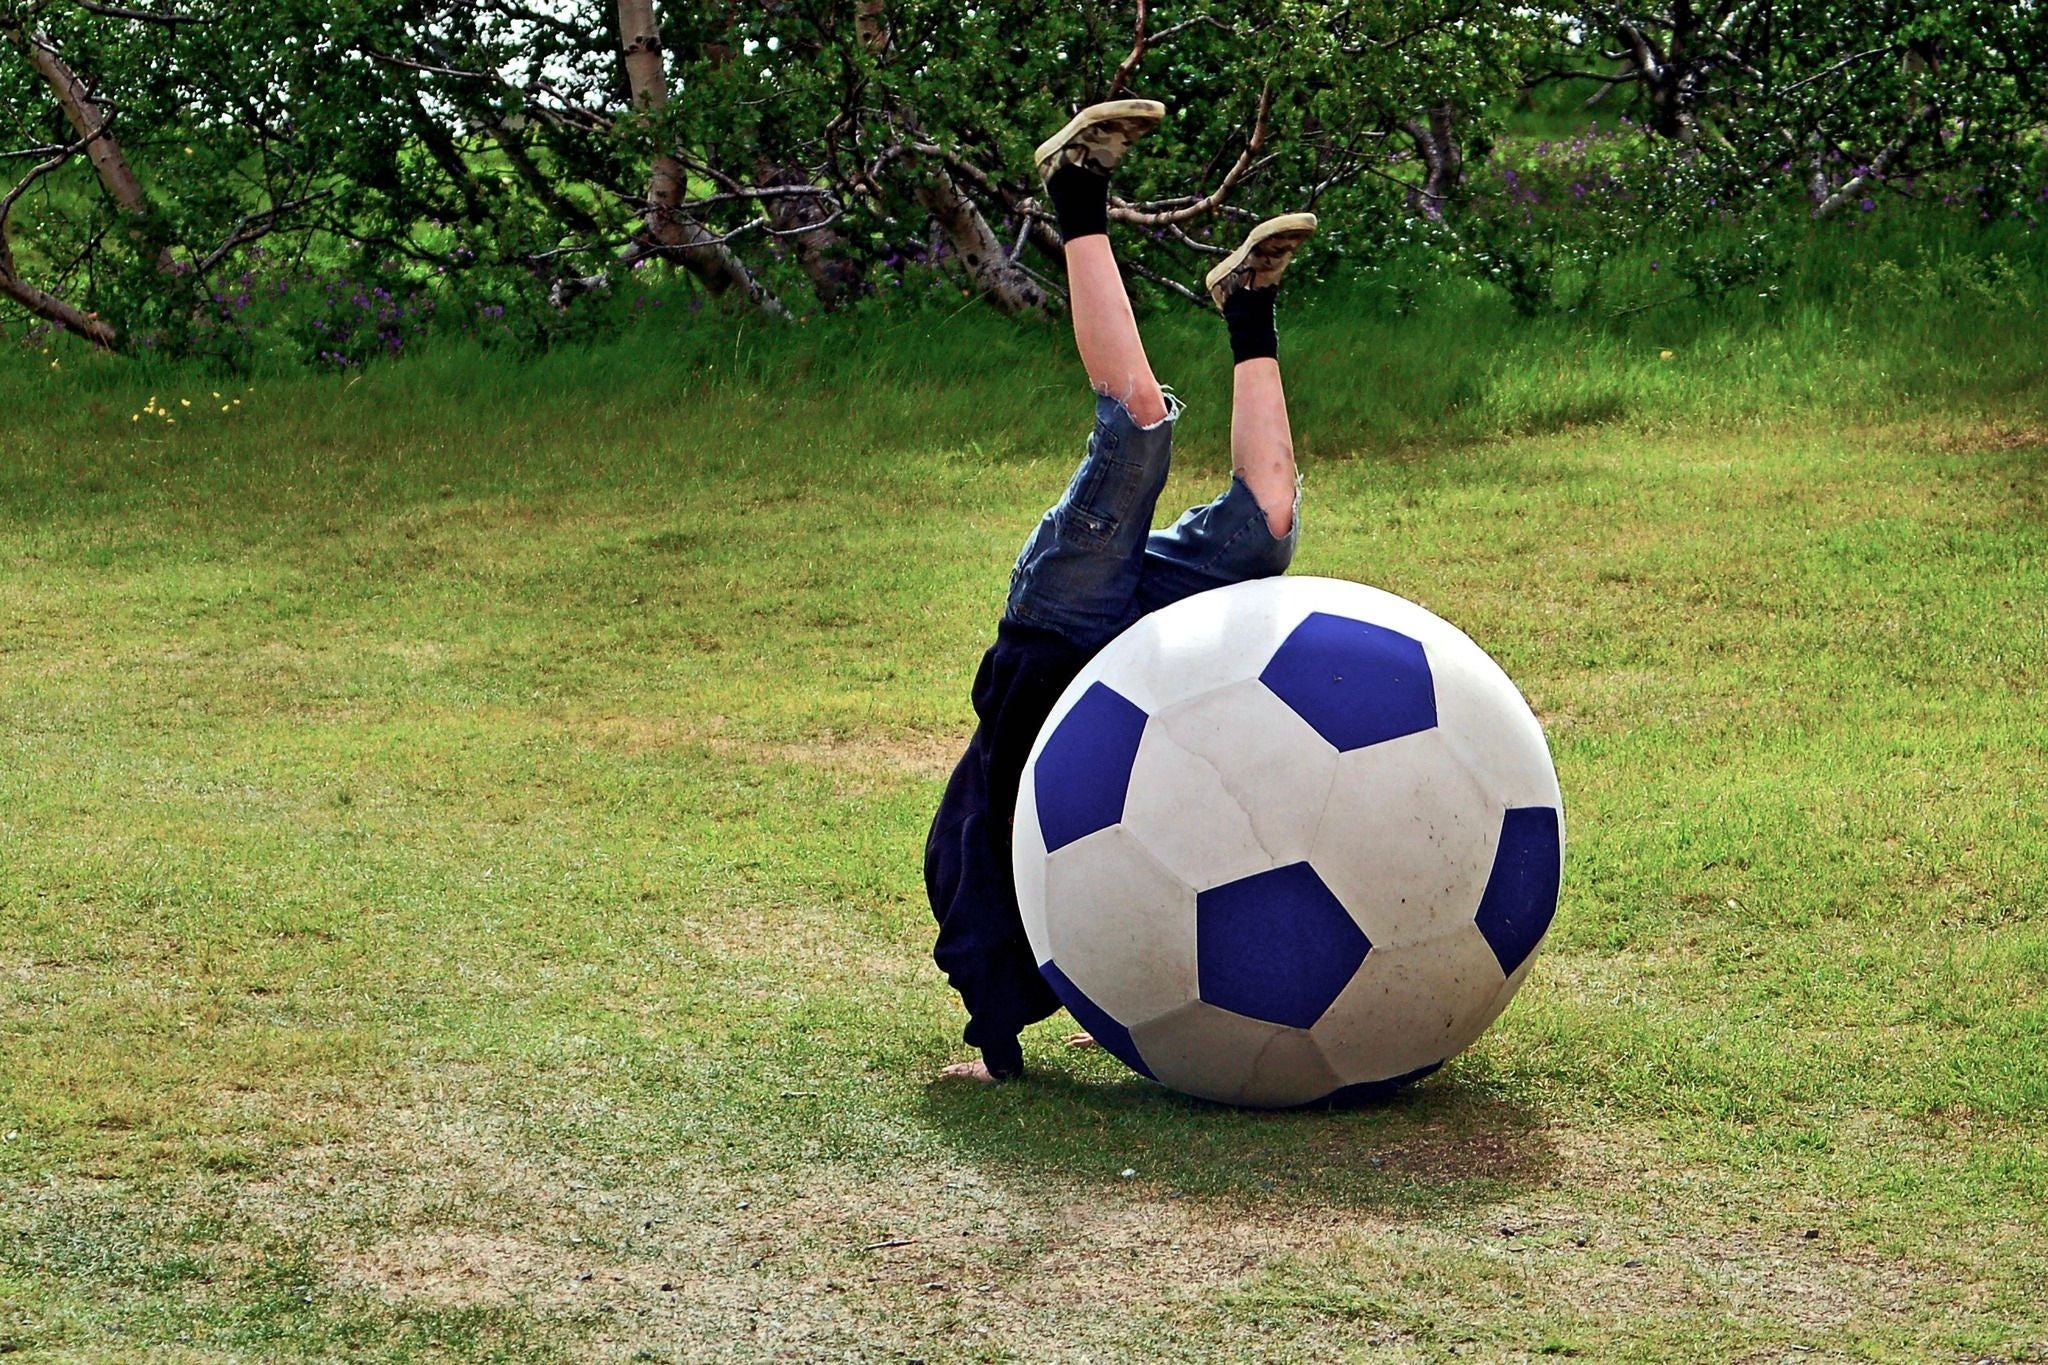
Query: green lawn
{"type": "Point", "coordinates": [460, 834]}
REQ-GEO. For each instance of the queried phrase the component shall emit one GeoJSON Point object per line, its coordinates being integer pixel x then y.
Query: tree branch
{"type": "Point", "coordinates": [1877, 165]}
{"type": "Point", "coordinates": [1144, 272]}
{"type": "Point", "coordinates": [578, 36]}
{"type": "Point", "coordinates": [40, 302]}
{"type": "Point", "coordinates": [53, 309]}
{"type": "Point", "coordinates": [393, 59]}
{"type": "Point", "coordinates": [84, 115]}
{"type": "Point", "coordinates": [1843, 64]}
{"type": "Point", "coordinates": [1140, 217]}
{"type": "Point", "coordinates": [1130, 63]}
{"type": "Point", "coordinates": [142, 15]}
{"type": "Point", "coordinates": [256, 225]}
{"type": "Point", "coordinates": [58, 157]}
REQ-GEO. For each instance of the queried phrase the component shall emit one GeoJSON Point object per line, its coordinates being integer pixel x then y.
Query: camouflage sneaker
{"type": "Point", "coordinates": [1098, 136]}
{"type": "Point", "coordinates": [1263, 258]}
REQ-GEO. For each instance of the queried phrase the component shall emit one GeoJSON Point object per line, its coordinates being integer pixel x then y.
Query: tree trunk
{"type": "Point", "coordinates": [529, 172]}
{"type": "Point", "coordinates": [1826, 205]}
{"type": "Point", "coordinates": [48, 306]}
{"type": "Point", "coordinates": [819, 249]}
{"type": "Point", "coordinates": [977, 246]}
{"type": "Point", "coordinates": [958, 218]}
{"type": "Point", "coordinates": [1670, 76]}
{"type": "Point", "coordinates": [871, 26]}
{"type": "Point", "coordinates": [86, 119]}
{"type": "Point", "coordinates": [1443, 163]}
{"type": "Point", "coordinates": [84, 115]}
{"type": "Point", "coordinates": [441, 147]}
{"type": "Point", "coordinates": [670, 229]}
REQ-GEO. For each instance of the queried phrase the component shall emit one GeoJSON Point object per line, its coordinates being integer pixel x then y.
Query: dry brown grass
{"type": "Point", "coordinates": [908, 753]}
{"type": "Point", "coordinates": [442, 1205]}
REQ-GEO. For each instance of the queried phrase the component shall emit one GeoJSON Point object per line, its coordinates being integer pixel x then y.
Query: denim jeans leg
{"type": "Point", "coordinates": [1222, 542]}
{"type": "Point", "coordinates": [1078, 573]}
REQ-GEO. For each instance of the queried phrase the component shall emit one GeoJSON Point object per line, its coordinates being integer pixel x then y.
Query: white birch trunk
{"type": "Point", "coordinates": [670, 229]}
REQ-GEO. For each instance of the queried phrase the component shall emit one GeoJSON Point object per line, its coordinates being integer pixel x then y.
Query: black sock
{"type": "Point", "coordinates": [1249, 312]}
{"type": "Point", "coordinates": [1080, 200]}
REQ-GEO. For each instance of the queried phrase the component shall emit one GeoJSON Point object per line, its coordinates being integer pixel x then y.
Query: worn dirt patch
{"type": "Point", "coordinates": [912, 753]}
{"type": "Point", "coordinates": [444, 1204]}
{"type": "Point", "coordinates": [1439, 1155]}
{"type": "Point", "coordinates": [1089, 1272]}
{"type": "Point", "coordinates": [462, 1269]}
{"type": "Point", "coordinates": [1973, 440]}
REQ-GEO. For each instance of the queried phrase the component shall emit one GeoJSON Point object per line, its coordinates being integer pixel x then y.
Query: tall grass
{"type": "Point", "coordinates": [1872, 323]}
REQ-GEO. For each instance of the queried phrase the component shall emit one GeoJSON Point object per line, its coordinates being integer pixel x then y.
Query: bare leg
{"type": "Point", "coordinates": [1106, 331]}
{"type": "Point", "coordinates": [1261, 443]}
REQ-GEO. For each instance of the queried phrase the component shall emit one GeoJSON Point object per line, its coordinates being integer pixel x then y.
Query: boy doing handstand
{"type": "Point", "coordinates": [1094, 565]}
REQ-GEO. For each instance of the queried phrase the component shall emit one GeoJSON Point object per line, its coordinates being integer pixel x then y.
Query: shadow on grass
{"type": "Point", "coordinates": [1450, 1139]}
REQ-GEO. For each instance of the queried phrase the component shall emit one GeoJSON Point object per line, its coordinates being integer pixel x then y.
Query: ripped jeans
{"type": "Point", "coordinates": [1094, 565]}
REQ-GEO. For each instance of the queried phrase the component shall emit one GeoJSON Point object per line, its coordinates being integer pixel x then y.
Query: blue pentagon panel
{"type": "Point", "coordinates": [1355, 682]}
{"type": "Point", "coordinates": [1275, 946]}
{"type": "Point", "coordinates": [1372, 1092]}
{"type": "Point", "coordinates": [1521, 892]}
{"type": "Point", "coordinates": [1084, 769]}
{"type": "Point", "coordinates": [1108, 1032]}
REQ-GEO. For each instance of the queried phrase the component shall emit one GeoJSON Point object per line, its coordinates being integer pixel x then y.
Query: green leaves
{"type": "Point", "coordinates": [489, 149]}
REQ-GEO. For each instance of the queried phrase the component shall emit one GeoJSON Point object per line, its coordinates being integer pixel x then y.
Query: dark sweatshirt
{"type": "Point", "coordinates": [982, 947]}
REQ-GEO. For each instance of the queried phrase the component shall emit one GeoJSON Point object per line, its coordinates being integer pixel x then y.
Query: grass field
{"type": "Point", "coordinates": [460, 831]}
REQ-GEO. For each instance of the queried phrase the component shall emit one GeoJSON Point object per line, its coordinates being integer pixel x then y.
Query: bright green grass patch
{"type": "Point", "coordinates": [460, 831]}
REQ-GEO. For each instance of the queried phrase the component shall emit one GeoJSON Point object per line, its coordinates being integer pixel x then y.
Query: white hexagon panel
{"type": "Point", "coordinates": [1289, 841]}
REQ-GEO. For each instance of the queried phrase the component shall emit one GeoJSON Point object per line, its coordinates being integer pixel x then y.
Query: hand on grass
{"type": "Point", "coordinates": [977, 1071]}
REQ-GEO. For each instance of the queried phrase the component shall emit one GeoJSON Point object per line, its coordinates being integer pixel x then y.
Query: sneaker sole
{"type": "Point", "coordinates": [1298, 225]}
{"type": "Point", "coordinates": [1148, 112]}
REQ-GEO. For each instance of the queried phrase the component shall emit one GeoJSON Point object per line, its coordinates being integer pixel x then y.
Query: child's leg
{"type": "Point", "coordinates": [1078, 574]}
{"type": "Point", "coordinates": [1106, 331]}
{"type": "Point", "coordinates": [1249, 531]}
{"type": "Point", "coordinates": [1075, 164]}
{"type": "Point", "coordinates": [1261, 442]}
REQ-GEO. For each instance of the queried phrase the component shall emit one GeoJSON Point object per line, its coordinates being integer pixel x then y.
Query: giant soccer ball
{"type": "Point", "coordinates": [1288, 841]}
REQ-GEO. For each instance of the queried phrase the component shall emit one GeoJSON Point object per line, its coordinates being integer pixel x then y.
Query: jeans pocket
{"type": "Point", "coordinates": [1085, 529]}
